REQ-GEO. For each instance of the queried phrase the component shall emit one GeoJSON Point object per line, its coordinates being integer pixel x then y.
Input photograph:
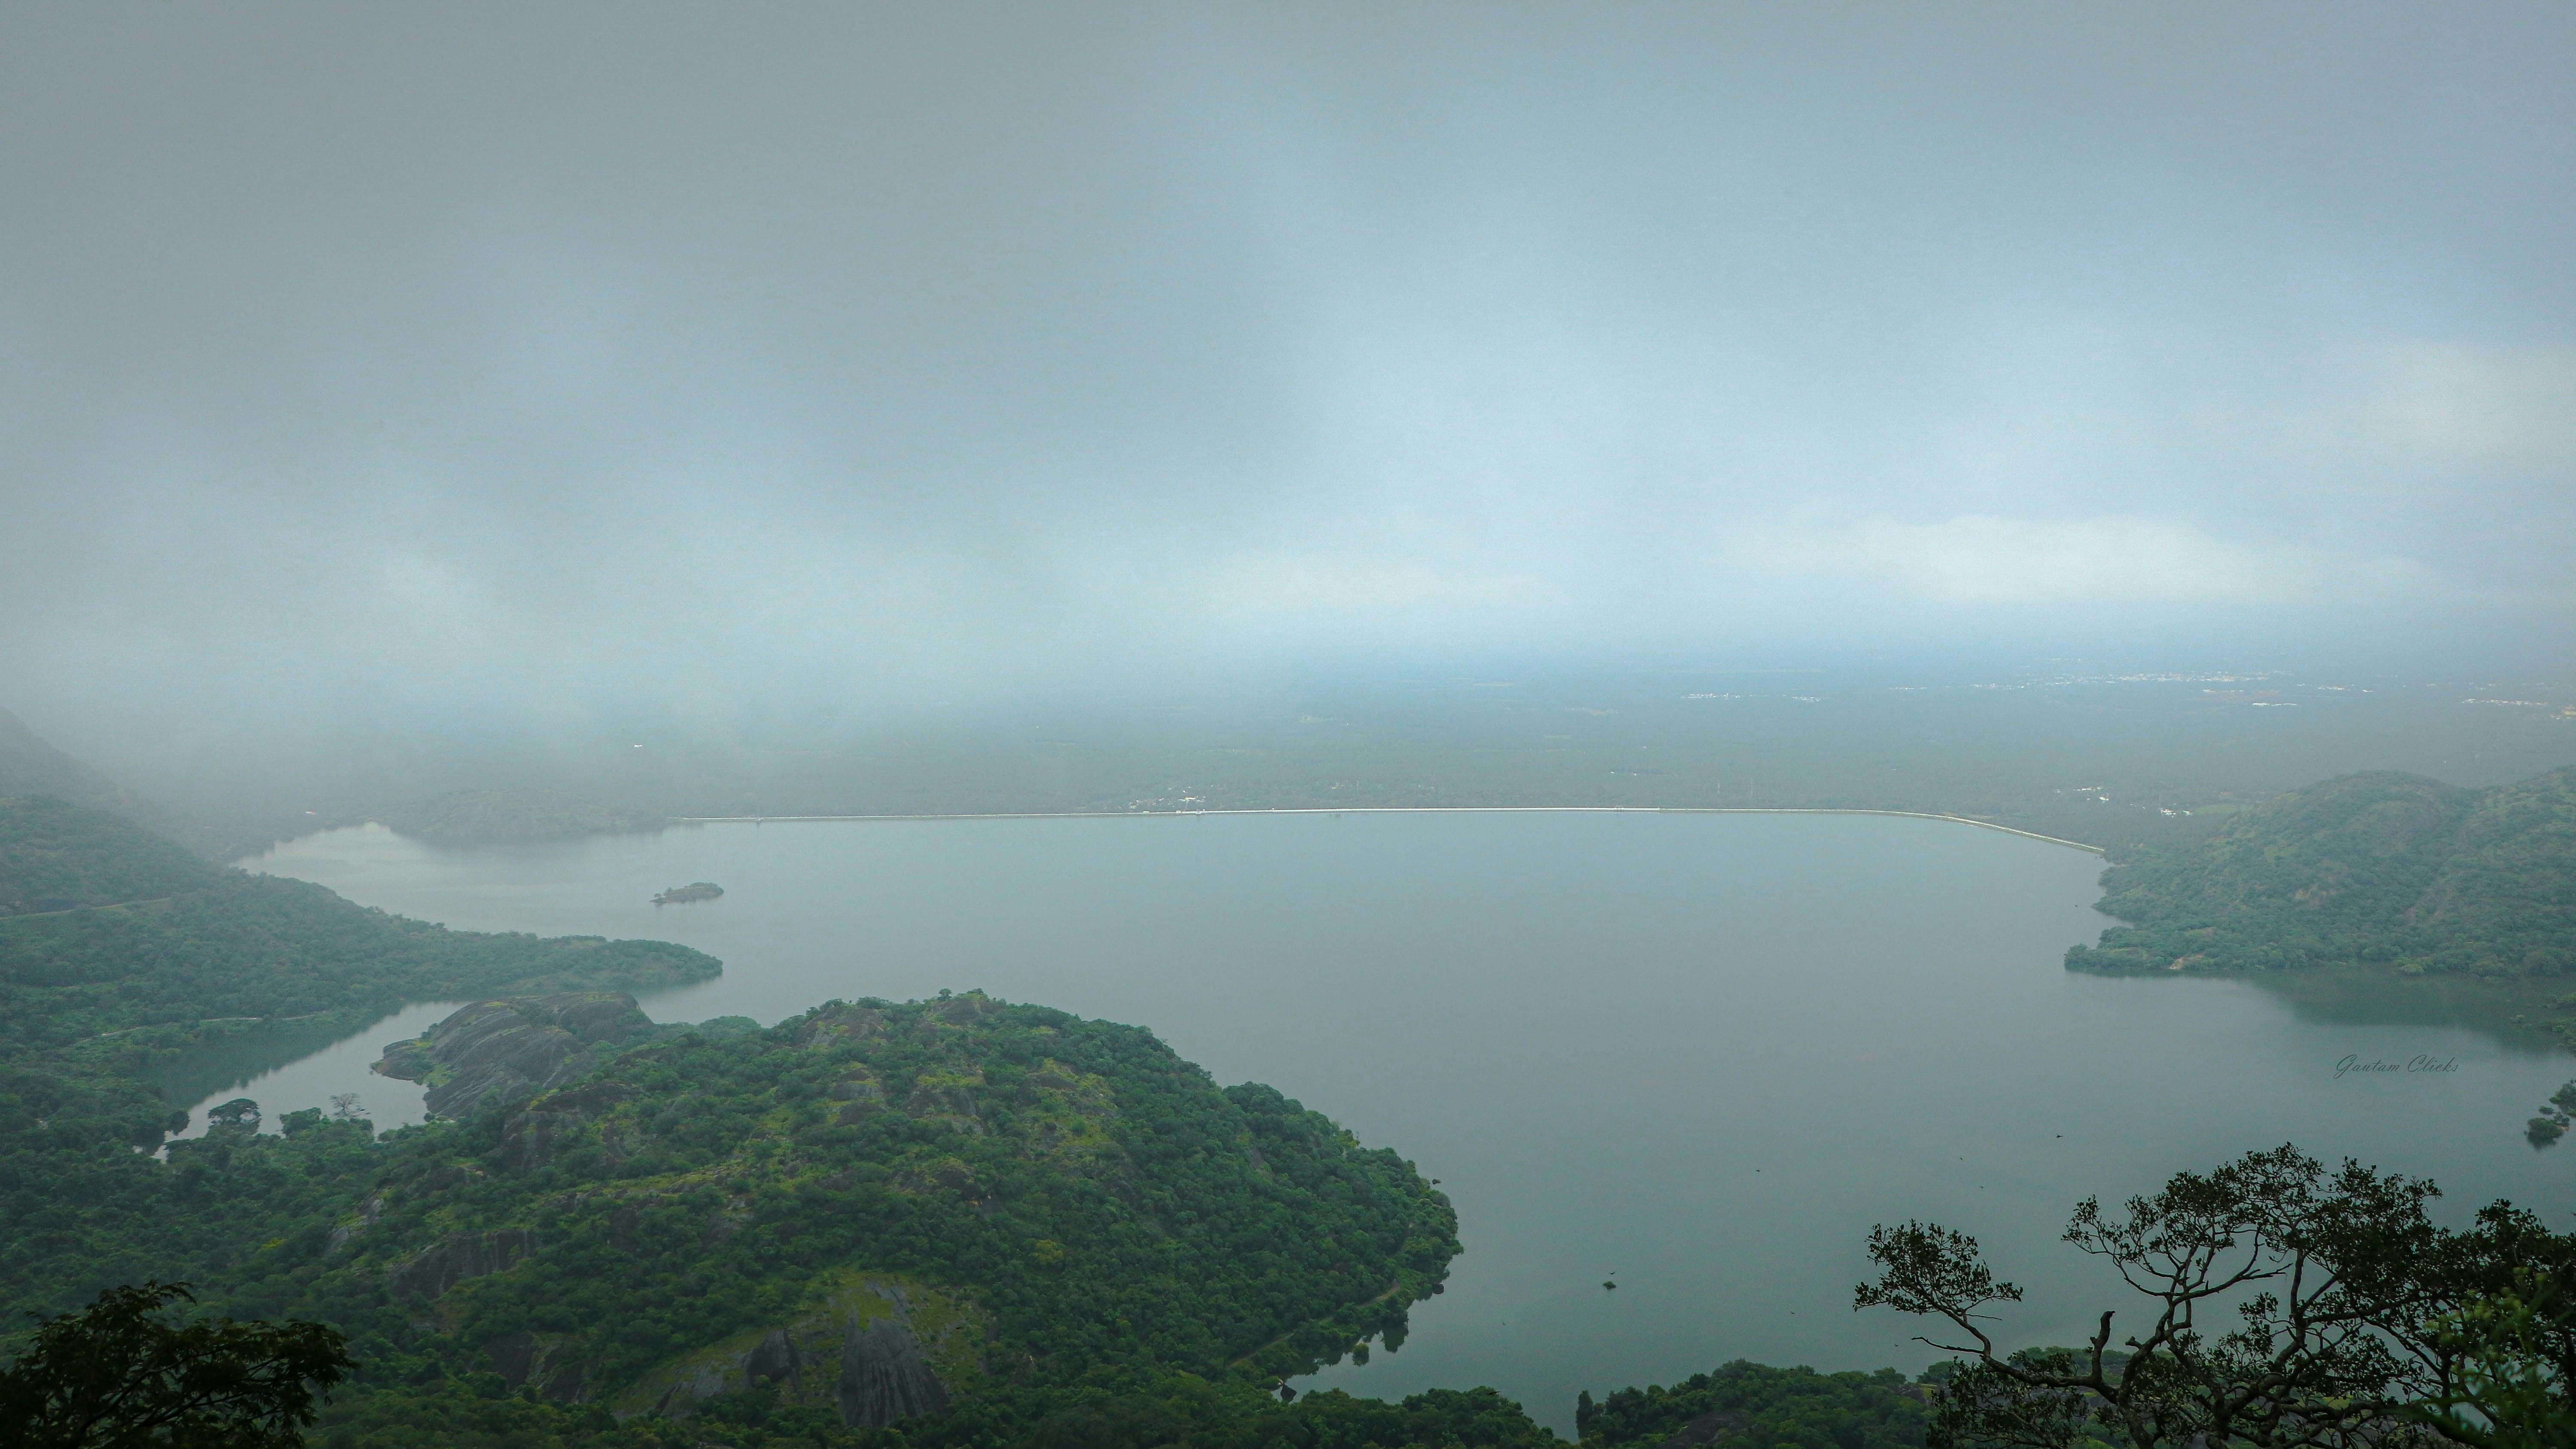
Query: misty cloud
{"type": "Point", "coordinates": [535, 358]}
{"type": "Point", "coordinates": [1979, 559]}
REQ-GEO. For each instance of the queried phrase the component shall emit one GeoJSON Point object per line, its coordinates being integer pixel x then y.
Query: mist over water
{"type": "Point", "coordinates": [1702, 1053]}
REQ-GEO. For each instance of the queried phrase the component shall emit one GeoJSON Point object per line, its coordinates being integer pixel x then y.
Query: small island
{"type": "Point", "coordinates": [704, 890]}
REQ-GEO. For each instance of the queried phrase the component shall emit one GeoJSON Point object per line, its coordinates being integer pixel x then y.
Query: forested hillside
{"type": "Point", "coordinates": [93, 999]}
{"type": "Point", "coordinates": [881, 1209]}
{"type": "Point", "coordinates": [56, 856]}
{"type": "Point", "coordinates": [1754, 1404]}
{"type": "Point", "coordinates": [2375, 867]}
{"type": "Point", "coordinates": [263, 946]}
{"type": "Point", "coordinates": [954, 1207]}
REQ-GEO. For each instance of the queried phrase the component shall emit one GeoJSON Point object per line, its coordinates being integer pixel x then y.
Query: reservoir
{"type": "Point", "coordinates": [1695, 1055]}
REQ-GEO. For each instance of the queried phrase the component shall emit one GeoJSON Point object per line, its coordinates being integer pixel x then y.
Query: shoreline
{"type": "Point", "coordinates": [1403, 810]}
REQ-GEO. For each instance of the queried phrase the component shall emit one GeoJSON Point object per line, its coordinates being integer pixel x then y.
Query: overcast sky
{"type": "Point", "coordinates": [540, 353]}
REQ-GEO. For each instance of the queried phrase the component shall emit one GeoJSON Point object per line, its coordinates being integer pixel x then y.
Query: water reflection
{"type": "Point", "coordinates": [282, 1070]}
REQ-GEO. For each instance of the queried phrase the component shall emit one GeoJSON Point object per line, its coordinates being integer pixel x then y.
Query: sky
{"type": "Point", "coordinates": [362, 362]}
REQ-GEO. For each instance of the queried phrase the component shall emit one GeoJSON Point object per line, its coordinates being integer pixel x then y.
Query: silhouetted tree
{"type": "Point", "coordinates": [2358, 1323]}
{"type": "Point", "coordinates": [118, 1376]}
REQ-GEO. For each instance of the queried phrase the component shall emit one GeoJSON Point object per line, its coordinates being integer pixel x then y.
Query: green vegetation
{"type": "Point", "coordinates": [2383, 868]}
{"type": "Point", "coordinates": [967, 1224]}
{"type": "Point", "coordinates": [1004, 1203]}
{"type": "Point", "coordinates": [2556, 1116]}
{"type": "Point", "coordinates": [1006, 1213]}
{"type": "Point", "coordinates": [1038, 1218]}
{"type": "Point", "coordinates": [2357, 1322]}
{"type": "Point", "coordinates": [56, 856]}
{"type": "Point", "coordinates": [1754, 1404]}
{"type": "Point", "coordinates": [118, 1374]}
{"type": "Point", "coordinates": [1068, 1193]}
{"type": "Point", "coordinates": [1117, 1411]}
{"type": "Point", "coordinates": [94, 1001]}
{"type": "Point", "coordinates": [263, 946]}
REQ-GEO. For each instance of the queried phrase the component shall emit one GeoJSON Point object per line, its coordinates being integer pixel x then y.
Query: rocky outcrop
{"type": "Point", "coordinates": [532, 1137]}
{"type": "Point", "coordinates": [946, 1099]}
{"type": "Point", "coordinates": [510, 1050]}
{"type": "Point", "coordinates": [427, 1275]}
{"type": "Point", "coordinates": [546, 1362]}
{"type": "Point", "coordinates": [862, 1096]}
{"type": "Point", "coordinates": [878, 1351]}
{"type": "Point", "coordinates": [347, 1233]}
{"type": "Point", "coordinates": [884, 1376]}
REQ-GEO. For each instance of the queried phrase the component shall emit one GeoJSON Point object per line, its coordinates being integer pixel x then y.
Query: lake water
{"type": "Point", "coordinates": [1698, 1055]}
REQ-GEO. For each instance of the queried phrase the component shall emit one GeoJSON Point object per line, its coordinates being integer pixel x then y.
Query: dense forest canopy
{"type": "Point", "coordinates": [2380, 867]}
{"type": "Point", "coordinates": [93, 1000]}
{"type": "Point", "coordinates": [1059, 1194]}
{"type": "Point", "coordinates": [1751, 1403]}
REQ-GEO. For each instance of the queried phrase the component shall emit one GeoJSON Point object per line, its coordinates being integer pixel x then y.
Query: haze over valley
{"type": "Point", "coordinates": [1266, 727]}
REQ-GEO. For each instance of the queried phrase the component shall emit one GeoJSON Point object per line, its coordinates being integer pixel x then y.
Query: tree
{"type": "Point", "coordinates": [2349, 1325]}
{"type": "Point", "coordinates": [2556, 1115]}
{"type": "Point", "coordinates": [116, 1376]}
{"type": "Point", "coordinates": [2513, 1387]}
{"type": "Point", "coordinates": [241, 1114]}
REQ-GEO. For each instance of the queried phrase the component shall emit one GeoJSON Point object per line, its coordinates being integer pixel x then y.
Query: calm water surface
{"type": "Point", "coordinates": [1697, 1055]}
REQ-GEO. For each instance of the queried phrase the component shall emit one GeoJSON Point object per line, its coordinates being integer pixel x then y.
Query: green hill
{"type": "Point", "coordinates": [962, 1194]}
{"type": "Point", "coordinates": [262, 946]}
{"type": "Point", "coordinates": [56, 856]}
{"type": "Point", "coordinates": [94, 1001]}
{"type": "Point", "coordinates": [1752, 1404]}
{"type": "Point", "coordinates": [2387, 868]}
{"type": "Point", "coordinates": [956, 1210]}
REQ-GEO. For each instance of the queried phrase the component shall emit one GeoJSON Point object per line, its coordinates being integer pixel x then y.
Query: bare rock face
{"type": "Point", "coordinates": [884, 1377]}
{"type": "Point", "coordinates": [539, 1361]}
{"type": "Point", "coordinates": [531, 1138]}
{"type": "Point", "coordinates": [511, 1050]}
{"type": "Point", "coordinates": [428, 1274]}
